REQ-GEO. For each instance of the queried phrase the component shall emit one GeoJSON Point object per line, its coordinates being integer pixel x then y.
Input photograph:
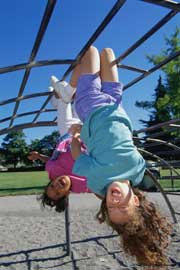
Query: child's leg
{"type": "Point", "coordinates": [90, 63]}
{"type": "Point", "coordinates": [75, 76]}
{"type": "Point", "coordinates": [64, 90]}
{"type": "Point", "coordinates": [75, 115]}
{"type": "Point", "coordinates": [89, 84]}
{"type": "Point", "coordinates": [109, 75]}
{"type": "Point", "coordinates": [64, 116]}
{"type": "Point", "coordinates": [88, 95]}
{"type": "Point", "coordinates": [109, 72]}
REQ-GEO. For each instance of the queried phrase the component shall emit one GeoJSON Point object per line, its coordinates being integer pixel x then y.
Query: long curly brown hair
{"type": "Point", "coordinates": [145, 236]}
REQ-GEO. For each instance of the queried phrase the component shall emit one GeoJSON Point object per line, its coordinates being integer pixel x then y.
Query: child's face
{"type": "Point", "coordinates": [59, 187]}
{"type": "Point", "coordinates": [121, 202]}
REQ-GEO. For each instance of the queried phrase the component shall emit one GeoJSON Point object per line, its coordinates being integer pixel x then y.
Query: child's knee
{"type": "Point", "coordinates": [107, 53]}
{"type": "Point", "coordinates": [91, 51]}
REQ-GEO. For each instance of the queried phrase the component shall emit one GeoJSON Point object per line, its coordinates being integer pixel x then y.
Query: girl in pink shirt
{"type": "Point", "coordinates": [59, 166]}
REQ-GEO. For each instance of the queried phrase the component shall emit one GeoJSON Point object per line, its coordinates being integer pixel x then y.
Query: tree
{"type": "Point", "coordinates": [46, 145]}
{"type": "Point", "coordinates": [14, 148]}
{"type": "Point", "coordinates": [166, 103]}
{"type": "Point", "coordinates": [171, 99]}
{"type": "Point", "coordinates": [49, 142]}
{"type": "Point", "coordinates": [158, 111]}
{"type": "Point", "coordinates": [166, 99]}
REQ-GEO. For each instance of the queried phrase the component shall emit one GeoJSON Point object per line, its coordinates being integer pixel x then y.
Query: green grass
{"type": "Point", "coordinates": [19, 183]}
{"type": "Point", "coordinates": [168, 184]}
{"type": "Point", "coordinates": [167, 172]}
{"type": "Point", "coordinates": [26, 183]}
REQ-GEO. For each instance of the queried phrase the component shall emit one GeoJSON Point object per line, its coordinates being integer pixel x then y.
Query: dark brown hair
{"type": "Point", "coordinates": [145, 236]}
{"type": "Point", "coordinates": [59, 205]}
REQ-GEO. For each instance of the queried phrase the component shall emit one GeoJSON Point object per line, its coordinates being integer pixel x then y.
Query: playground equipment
{"type": "Point", "coordinates": [174, 9]}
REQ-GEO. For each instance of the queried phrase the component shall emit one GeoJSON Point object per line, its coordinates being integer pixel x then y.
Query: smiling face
{"type": "Point", "coordinates": [121, 202]}
{"type": "Point", "coordinates": [59, 187]}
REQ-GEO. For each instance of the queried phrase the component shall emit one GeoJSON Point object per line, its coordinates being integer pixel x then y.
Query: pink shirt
{"type": "Point", "coordinates": [63, 166]}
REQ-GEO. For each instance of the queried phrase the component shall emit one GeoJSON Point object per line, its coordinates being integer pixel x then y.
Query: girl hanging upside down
{"type": "Point", "coordinates": [113, 166]}
{"type": "Point", "coordinates": [59, 165]}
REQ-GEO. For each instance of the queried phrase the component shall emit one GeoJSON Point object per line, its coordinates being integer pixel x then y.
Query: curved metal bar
{"type": "Point", "coordinates": [26, 114]}
{"type": "Point", "coordinates": [11, 100]}
{"type": "Point", "coordinates": [164, 124]}
{"type": "Point", "coordinates": [98, 31]}
{"type": "Point", "coordinates": [159, 158]}
{"type": "Point", "coordinates": [167, 153]}
{"type": "Point", "coordinates": [41, 109]}
{"type": "Point", "coordinates": [95, 35]}
{"type": "Point", "coordinates": [154, 68]}
{"type": "Point", "coordinates": [28, 125]}
{"type": "Point", "coordinates": [174, 125]}
{"type": "Point", "coordinates": [140, 70]}
{"type": "Point", "coordinates": [161, 133]}
{"type": "Point", "coordinates": [163, 194]}
{"type": "Point", "coordinates": [148, 34]}
{"type": "Point", "coordinates": [171, 145]}
{"type": "Point", "coordinates": [67, 227]}
{"type": "Point", "coordinates": [44, 23]}
{"type": "Point", "coordinates": [34, 64]}
{"type": "Point", "coordinates": [168, 4]}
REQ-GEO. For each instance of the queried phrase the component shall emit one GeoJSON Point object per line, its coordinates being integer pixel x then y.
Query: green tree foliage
{"type": "Point", "coordinates": [158, 108]}
{"type": "Point", "coordinates": [166, 102]}
{"type": "Point", "coordinates": [171, 99]}
{"type": "Point", "coordinates": [14, 148]}
{"type": "Point", "coordinates": [46, 145]}
{"type": "Point", "coordinates": [49, 142]}
{"type": "Point", "coordinates": [166, 98]}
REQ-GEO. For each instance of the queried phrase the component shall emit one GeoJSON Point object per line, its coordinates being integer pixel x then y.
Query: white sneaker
{"type": "Point", "coordinates": [63, 89]}
{"type": "Point", "coordinates": [50, 88]}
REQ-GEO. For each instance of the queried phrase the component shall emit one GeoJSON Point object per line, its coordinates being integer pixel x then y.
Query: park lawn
{"type": "Point", "coordinates": [167, 172]}
{"type": "Point", "coordinates": [168, 183]}
{"type": "Point", "coordinates": [17, 183]}
{"type": "Point", "coordinates": [26, 183]}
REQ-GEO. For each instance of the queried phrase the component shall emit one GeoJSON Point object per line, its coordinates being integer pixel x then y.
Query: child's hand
{"type": "Point", "coordinates": [76, 140]}
{"type": "Point", "coordinates": [76, 146]}
{"type": "Point", "coordinates": [33, 155]}
{"type": "Point", "coordinates": [75, 128]}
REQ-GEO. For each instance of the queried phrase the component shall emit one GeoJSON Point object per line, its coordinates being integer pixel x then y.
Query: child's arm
{"type": "Point", "coordinates": [75, 146]}
{"type": "Point", "coordinates": [34, 155]}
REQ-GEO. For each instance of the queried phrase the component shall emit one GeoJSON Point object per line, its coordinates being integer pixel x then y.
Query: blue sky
{"type": "Point", "coordinates": [71, 25]}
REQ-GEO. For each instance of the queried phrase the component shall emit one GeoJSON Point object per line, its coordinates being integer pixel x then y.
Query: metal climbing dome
{"type": "Point", "coordinates": [9, 123]}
